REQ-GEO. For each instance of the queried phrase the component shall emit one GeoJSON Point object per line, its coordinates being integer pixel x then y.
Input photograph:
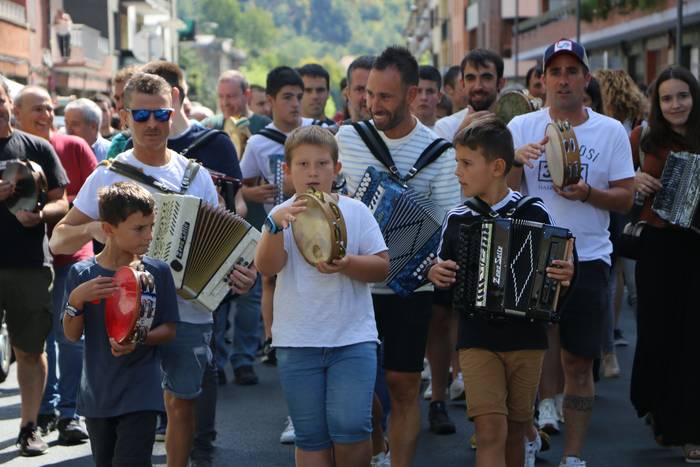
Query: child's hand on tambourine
{"type": "Point", "coordinates": [284, 217]}
{"type": "Point", "coordinates": [443, 274]}
{"type": "Point", "coordinates": [337, 265]}
{"type": "Point", "coordinates": [93, 290]}
{"type": "Point", "coordinates": [121, 349]}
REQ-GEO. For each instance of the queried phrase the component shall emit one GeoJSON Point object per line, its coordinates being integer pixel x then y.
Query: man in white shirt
{"type": "Point", "coordinates": [186, 357]}
{"type": "Point", "coordinates": [482, 79]}
{"type": "Point", "coordinates": [606, 184]}
{"type": "Point", "coordinates": [402, 322]}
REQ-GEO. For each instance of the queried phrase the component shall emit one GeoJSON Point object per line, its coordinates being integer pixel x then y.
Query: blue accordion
{"type": "Point", "coordinates": [411, 225]}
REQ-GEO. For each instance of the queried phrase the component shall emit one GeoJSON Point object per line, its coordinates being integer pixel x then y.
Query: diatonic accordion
{"type": "Point", "coordinates": [502, 266]}
{"type": "Point", "coordinates": [410, 223]}
{"type": "Point", "coordinates": [677, 201]}
{"type": "Point", "coordinates": [201, 244]}
{"type": "Point", "coordinates": [277, 170]}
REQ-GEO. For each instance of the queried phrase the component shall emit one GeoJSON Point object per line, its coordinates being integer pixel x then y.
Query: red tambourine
{"type": "Point", "coordinates": [129, 312]}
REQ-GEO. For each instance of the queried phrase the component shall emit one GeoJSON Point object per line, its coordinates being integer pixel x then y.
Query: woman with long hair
{"type": "Point", "coordinates": [665, 377]}
{"type": "Point", "coordinates": [622, 98]}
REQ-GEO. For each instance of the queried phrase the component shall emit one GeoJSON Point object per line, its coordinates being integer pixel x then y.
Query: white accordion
{"type": "Point", "coordinates": [201, 244]}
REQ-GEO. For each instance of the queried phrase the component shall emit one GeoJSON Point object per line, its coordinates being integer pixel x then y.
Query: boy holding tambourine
{"type": "Point", "coordinates": [324, 330]}
{"type": "Point", "coordinates": [120, 392]}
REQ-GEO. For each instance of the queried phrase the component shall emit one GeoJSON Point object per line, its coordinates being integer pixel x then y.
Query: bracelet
{"type": "Point", "coordinates": [588, 195]}
{"type": "Point", "coordinates": [517, 163]}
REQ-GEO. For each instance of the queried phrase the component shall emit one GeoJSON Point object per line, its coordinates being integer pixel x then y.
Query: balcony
{"type": "Point", "coordinates": [87, 48]}
{"type": "Point", "coordinates": [526, 8]}
{"type": "Point", "coordinates": [472, 16]}
{"type": "Point", "coordinates": [12, 12]}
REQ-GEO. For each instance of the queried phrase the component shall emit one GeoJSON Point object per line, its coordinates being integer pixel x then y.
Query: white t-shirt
{"type": "Point", "coordinates": [447, 127]}
{"type": "Point", "coordinates": [606, 156]}
{"type": "Point", "coordinates": [170, 174]}
{"type": "Point", "coordinates": [326, 310]}
{"type": "Point", "coordinates": [437, 181]}
{"type": "Point", "coordinates": [256, 157]}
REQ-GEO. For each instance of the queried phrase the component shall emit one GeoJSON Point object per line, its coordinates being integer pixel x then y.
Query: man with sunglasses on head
{"type": "Point", "coordinates": [148, 110]}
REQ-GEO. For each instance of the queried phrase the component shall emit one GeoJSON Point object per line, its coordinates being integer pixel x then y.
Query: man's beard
{"type": "Point", "coordinates": [395, 119]}
{"type": "Point", "coordinates": [484, 104]}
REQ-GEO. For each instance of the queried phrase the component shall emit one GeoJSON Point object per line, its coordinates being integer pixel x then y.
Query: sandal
{"type": "Point", "coordinates": [692, 453]}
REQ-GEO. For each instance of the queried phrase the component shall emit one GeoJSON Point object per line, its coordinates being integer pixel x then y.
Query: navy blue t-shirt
{"type": "Point", "coordinates": [111, 386]}
{"type": "Point", "coordinates": [217, 153]}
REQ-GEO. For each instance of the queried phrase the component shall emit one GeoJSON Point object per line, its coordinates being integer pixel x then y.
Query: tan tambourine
{"type": "Point", "coordinates": [562, 153]}
{"type": "Point", "coordinates": [513, 103]}
{"type": "Point", "coordinates": [319, 231]}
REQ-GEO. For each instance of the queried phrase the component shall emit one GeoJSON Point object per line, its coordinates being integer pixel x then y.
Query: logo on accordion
{"type": "Point", "coordinates": [497, 264]}
{"type": "Point", "coordinates": [183, 240]}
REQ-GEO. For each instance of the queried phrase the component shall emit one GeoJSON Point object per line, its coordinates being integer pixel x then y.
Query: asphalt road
{"type": "Point", "coordinates": [249, 421]}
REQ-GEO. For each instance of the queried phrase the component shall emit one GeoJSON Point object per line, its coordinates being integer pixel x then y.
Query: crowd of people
{"type": "Point", "coordinates": [350, 352]}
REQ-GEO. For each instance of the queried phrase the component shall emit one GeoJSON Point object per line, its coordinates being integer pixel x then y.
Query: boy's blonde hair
{"type": "Point", "coordinates": [120, 200]}
{"type": "Point", "coordinates": [313, 135]}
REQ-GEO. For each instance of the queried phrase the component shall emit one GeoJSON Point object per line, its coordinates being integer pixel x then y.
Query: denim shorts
{"type": "Point", "coordinates": [185, 358]}
{"type": "Point", "coordinates": [329, 392]}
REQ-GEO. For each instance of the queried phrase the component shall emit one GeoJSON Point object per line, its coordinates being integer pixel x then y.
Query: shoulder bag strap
{"type": "Point", "coordinates": [274, 135]}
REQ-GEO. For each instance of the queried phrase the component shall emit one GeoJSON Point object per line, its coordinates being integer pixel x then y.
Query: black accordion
{"type": "Point", "coordinates": [502, 266]}
{"type": "Point", "coordinates": [677, 201]}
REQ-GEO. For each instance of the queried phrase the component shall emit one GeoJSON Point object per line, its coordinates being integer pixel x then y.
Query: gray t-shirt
{"type": "Point", "coordinates": [111, 386]}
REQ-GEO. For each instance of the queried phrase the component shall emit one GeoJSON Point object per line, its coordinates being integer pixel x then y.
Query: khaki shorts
{"type": "Point", "coordinates": [25, 297]}
{"type": "Point", "coordinates": [503, 383]}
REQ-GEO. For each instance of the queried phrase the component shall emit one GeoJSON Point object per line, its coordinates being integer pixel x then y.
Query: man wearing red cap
{"type": "Point", "coordinates": [606, 184]}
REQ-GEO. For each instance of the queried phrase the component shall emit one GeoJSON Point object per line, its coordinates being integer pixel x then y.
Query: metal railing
{"type": "Point", "coordinates": [13, 12]}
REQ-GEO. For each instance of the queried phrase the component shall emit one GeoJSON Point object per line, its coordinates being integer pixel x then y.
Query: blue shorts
{"type": "Point", "coordinates": [185, 358]}
{"type": "Point", "coordinates": [329, 393]}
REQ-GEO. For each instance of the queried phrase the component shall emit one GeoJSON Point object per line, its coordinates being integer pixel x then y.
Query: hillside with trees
{"type": "Point", "coordinates": [293, 32]}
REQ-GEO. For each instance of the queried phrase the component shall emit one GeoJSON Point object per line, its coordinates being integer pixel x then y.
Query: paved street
{"type": "Point", "coordinates": [250, 420]}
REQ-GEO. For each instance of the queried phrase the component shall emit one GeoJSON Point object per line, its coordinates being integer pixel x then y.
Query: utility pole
{"type": "Point", "coordinates": [578, 21]}
{"type": "Point", "coordinates": [517, 39]}
{"type": "Point", "coordinates": [679, 33]}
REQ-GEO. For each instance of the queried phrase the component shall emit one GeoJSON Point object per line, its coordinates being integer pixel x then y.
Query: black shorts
{"type": "Point", "coordinates": [581, 325]}
{"type": "Point", "coordinates": [124, 440]}
{"type": "Point", "coordinates": [403, 325]}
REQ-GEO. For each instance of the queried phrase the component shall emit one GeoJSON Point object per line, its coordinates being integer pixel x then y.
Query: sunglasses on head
{"type": "Point", "coordinates": [142, 115]}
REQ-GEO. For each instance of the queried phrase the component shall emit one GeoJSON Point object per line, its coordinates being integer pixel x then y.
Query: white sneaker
{"type": "Point", "coordinates": [425, 374]}
{"type": "Point", "coordinates": [288, 436]}
{"type": "Point", "coordinates": [548, 417]}
{"type": "Point", "coordinates": [611, 368]}
{"type": "Point", "coordinates": [383, 459]}
{"type": "Point", "coordinates": [572, 461]}
{"type": "Point", "coordinates": [457, 388]}
{"type": "Point", "coordinates": [559, 403]}
{"type": "Point", "coordinates": [532, 448]}
{"type": "Point", "coordinates": [428, 394]}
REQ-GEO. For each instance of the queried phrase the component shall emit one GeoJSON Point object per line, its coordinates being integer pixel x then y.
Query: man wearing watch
{"type": "Point", "coordinates": [25, 268]}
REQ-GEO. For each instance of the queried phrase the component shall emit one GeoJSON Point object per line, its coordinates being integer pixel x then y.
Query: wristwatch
{"type": "Point", "coordinates": [72, 311]}
{"type": "Point", "coordinates": [270, 225]}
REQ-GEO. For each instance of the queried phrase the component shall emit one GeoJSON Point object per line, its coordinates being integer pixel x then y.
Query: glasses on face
{"type": "Point", "coordinates": [142, 115]}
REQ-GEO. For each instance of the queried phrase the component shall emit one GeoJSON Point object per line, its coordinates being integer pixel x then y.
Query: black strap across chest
{"type": "Point", "coordinates": [376, 145]}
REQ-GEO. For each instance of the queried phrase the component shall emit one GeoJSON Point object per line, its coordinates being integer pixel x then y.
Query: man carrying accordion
{"type": "Point", "coordinates": [503, 262]}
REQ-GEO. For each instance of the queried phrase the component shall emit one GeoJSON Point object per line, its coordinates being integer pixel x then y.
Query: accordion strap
{"type": "Point", "coordinates": [480, 206]}
{"type": "Point", "coordinates": [376, 145]}
{"type": "Point", "coordinates": [134, 173]}
{"type": "Point", "coordinates": [274, 135]}
{"type": "Point", "coordinates": [199, 142]}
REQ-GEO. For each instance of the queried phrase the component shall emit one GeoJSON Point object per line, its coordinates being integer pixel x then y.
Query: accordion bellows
{"type": "Point", "coordinates": [201, 244]}
{"type": "Point", "coordinates": [502, 266]}
{"type": "Point", "coordinates": [677, 201]}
